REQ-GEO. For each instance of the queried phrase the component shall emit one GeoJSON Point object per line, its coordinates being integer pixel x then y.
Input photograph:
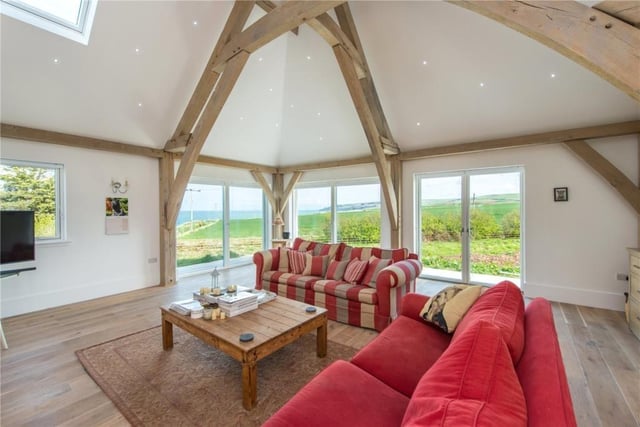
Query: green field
{"type": "Point", "coordinates": [495, 243]}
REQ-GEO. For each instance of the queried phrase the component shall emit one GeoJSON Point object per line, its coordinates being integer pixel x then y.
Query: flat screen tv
{"type": "Point", "coordinates": [17, 236]}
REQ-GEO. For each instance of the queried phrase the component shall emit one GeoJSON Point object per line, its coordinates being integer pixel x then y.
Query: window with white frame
{"type": "Point", "coordinates": [38, 187]}
{"type": "Point", "coordinates": [67, 18]}
{"type": "Point", "coordinates": [338, 212]}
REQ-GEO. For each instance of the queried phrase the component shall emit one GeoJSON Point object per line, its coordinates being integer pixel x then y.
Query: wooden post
{"type": "Point", "coordinates": [396, 177]}
{"type": "Point", "coordinates": [167, 230]}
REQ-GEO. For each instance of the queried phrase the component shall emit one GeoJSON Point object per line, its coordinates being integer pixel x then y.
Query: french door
{"type": "Point", "coordinates": [470, 225]}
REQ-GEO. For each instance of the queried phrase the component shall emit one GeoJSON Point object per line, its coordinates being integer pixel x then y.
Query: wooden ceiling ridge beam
{"type": "Point", "coordinates": [607, 170]}
{"type": "Point", "coordinates": [326, 165]}
{"type": "Point", "coordinates": [278, 21]}
{"type": "Point", "coordinates": [348, 26]}
{"type": "Point", "coordinates": [235, 23]}
{"type": "Point", "coordinates": [554, 137]}
{"type": "Point", "coordinates": [49, 137]}
{"type": "Point", "coordinates": [371, 131]}
{"type": "Point", "coordinates": [603, 44]}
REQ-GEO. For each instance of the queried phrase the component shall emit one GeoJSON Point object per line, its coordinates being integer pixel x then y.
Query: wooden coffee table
{"type": "Point", "coordinates": [274, 324]}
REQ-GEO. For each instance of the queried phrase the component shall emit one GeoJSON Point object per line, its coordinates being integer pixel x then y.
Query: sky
{"type": "Point", "coordinates": [482, 185]}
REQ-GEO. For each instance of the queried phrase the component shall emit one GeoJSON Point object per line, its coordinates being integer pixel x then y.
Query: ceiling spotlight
{"type": "Point", "coordinates": [241, 118]}
{"type": "Point", "coordinates": [321, 138]}
{"type": "Point", "coordinates": [308, 57]}
{"type": "Point", "coordinates": [277, 124]}
{"type": "Point", "coordinates": [424, 62]}
{"type": "Point", "coordinates": [139, 104]}
{"type": "Point", "coordinates": [195, 23]}
{"type": "Point", "coordinates": [553, 75]}
{"type": "Point", "coordinates": [418, 124]}
{"type": "Point", "coordinates": [481, 84]}
{"type": "Point", "coordinates": [260, 59]}
{"type": "Point", "coordinates": [318, 114]}
{"type": "Point", "coordinates": [291, 105]}
{"type": "Point", "coordinates": [56, 61]}
{"type": "Point", "coordinates": [270, 89]}
{"type": "Point", "coordinates": [137, 50]}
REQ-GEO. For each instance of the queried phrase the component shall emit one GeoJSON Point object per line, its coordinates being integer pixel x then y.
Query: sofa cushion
{"type": "Point", "coordinates": [374, 267]}
{"type": "Point", "coordinates": [334, 250]}
{"type": "Point", "coordinates": [503, 306]}
{"type": "Point", "coordinates": [402, 353]}
{"type": "Point", "coordinates": [336, 269]}
{"type": "Point", "coordinates": [296, 262]}
{"type": "Point", "coordinates": [474, 383]}
{"type": "Point", "coordinates": [283, 260]}
{"type": "Point", "coordinates": [290, 279]}
{"type": "Point", "coordinates": [355, 271]}
{"type": "Point", "coordinates": [344, 290]}
{"type": "Point", "coordinates": [446, 308]}
{"type": "Point", "coordinates": [342, 395]}
{"type": "Point", "coordinates": [315, 265]}
{"type": "Point", "coordinates": [395, 255]}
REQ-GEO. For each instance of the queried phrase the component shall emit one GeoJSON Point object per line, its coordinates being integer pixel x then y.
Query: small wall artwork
{"type": "Point", "coordinates": [561, 194]}
{"type": "Point", "coordinates": [116, 215]}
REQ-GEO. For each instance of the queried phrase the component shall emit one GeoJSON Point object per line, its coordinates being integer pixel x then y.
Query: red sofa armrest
{"type": "Point", "coordinates": [412, 304]}
{"type": "Point", "coordinates": [393, 283]}
{"type": "Point", "coordinates": [265, 261]}
{"type": "Point", "coordinates": [541, 370]}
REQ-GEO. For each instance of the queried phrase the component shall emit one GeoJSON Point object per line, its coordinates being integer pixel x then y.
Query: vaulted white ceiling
{"type": "Point", "coordinates": [481, 80]}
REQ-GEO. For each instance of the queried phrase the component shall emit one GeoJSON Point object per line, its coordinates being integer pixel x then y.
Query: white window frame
{"type": "Point", "coordinates": [59, 180]}
{"type": "Point", "coordinates": [333, 185]}
{"type": "Point", "coordinates": [78, 32]}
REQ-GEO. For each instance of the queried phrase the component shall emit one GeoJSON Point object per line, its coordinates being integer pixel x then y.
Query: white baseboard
{"type": "Point", "coordinates": [577, 296]}
{"type": "Point", "coordinates": [39, 301]}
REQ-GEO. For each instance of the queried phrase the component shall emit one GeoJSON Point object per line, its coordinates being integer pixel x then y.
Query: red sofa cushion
{"type": "Point", "coordinates": [474, 383]}
{"type": "Point", "coordinates": [342, 395]}
{"type": "Point", "coordinates": [503, 306]}
{"type": "Point", "coordinates": [402, 353]}
{"type": "Point", "coordinates": [541, 369]}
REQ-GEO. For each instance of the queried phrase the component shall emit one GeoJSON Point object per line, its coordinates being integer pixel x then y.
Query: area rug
{"type": "Point", "coordinates": [195, 384]}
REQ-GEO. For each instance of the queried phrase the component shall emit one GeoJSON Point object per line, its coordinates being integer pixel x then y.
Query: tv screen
{"type": "Point", "coordinates": [17, 236]}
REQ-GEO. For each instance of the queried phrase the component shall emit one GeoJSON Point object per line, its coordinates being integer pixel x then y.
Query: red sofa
{"type": "Point", "coordinates": [371, 302]}
{"type": "Point", "coordinates": [501, 367]}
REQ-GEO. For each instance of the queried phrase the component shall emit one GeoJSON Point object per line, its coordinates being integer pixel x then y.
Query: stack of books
{"type": "Point", "coordinates": [239, 303]}
{"type": "Point", "coordinates": [185, 307]}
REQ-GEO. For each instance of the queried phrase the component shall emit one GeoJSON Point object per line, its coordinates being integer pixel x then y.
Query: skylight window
{"type": "Point", "coordinates": [68, 18]}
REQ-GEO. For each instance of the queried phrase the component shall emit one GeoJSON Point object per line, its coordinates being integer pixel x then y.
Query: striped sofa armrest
{"type": "Point", "coordinates": [394, 282]}
{"type": "Point", "coordinates": [267, 260]}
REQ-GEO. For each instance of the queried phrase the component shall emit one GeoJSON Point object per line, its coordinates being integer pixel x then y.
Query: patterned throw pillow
{"type": "Point", "coordinates": [355, 271]}
{"type": "Point", "coordinates": [283, 260]}
{"type": "Point", "coordinates": [374, 267]}
{"type": "Point", "coordinates": [315, 265]}
{"type": "Point", "coordinates": [336, 270]}
{"type": "Point", "coordinates": [448, 307]}
{"type": "Point", "coordinates": [296, 262]}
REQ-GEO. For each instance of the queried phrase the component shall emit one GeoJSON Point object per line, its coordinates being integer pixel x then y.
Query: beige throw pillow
{"type": "Point", "coordinates": [446, 308]}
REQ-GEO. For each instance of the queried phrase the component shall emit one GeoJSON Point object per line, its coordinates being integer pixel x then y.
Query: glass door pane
{"type": "Point", "coordinates": [246, 222]}
{"type": "Point", "coordinates": [199, 225]}
{"type": "Point", "coordinates": [494, 210]}
{"type": "Point", "coordinates": [314, 213]}
{"type": "Point", "coordinates": [441, 226]}
{"type": "Point", "coordinates": [358, 213]}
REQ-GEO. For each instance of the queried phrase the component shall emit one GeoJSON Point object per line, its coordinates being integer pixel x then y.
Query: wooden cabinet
{"type": "Point", "coordinates": [634, 291]}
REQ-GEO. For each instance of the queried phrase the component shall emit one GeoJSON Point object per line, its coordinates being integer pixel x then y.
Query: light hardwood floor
{"type": "Point", "coordinates": [43, 384]}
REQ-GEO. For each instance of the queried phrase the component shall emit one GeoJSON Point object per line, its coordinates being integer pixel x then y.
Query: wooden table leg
{"type": "Point", "coordinates": [249, 384]}
{"type": "Point", "coordinates": [167, 334]}
{"type": "Point", "coordinates": [321, 340]}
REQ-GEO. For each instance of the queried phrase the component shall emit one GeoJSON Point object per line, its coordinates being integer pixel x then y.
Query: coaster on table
{"type": "Point", "coordinates": [246, 337]}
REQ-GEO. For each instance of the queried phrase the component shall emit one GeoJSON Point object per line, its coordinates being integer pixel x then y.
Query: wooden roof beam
{"type": "Point", "coordinates": [235, 23]}
{"type": "Point", "coordinates": [591, 132]}
{"type": "Point", "coordinates": [268, 6]}
{"type": "Point", "coordinates": [209, 116]}
{"type": "Point", "coordinates": [348, 26]}
{"type": "Point", "coordinates": [371, 131]}
{"type": "Point", "coordinates": [275, 23]}
{"type": "Point", "coordinates": [326, 165]}
{"type": "Point", "coordinates": [608, 171]}
{"type": "Point", "coordinates": [601, 43]}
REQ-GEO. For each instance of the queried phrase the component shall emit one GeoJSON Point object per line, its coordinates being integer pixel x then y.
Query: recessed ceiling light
{"type": "Point", "coordinates": [321, 138]}
{"type": "Point", "coordinates": [277, 124]}
{"type": "Point", "coordinates": [241, 118]}
{"type": "Point", "coordinates": [418, 124]}
{"type": "Point", "coordinates": [291, 105]}
{"type": "Point", "coordinates": [270, 89]}
{"type": "Point", "coordinates": [553, 75]}
{"type": "Point", "coordinates": [308, 57]}
{"type": "Point", "coordinates": [260, 59]}
{"type": "Point", "coordinates": [56, 61]}
{"type": "Point", "coordinates": [424, 62]}
{"type": "Point", "coordinates": [195, 23]}
{"type": "Point", "coordinates": [481, 84]}
{"type": "Point", "coordinates": [318, 114]}
{"type": "Point", "coordinates": [139, 104]}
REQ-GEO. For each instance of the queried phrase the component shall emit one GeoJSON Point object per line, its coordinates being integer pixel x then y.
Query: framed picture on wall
{"type": "Point", "coordinates": [561, 194]}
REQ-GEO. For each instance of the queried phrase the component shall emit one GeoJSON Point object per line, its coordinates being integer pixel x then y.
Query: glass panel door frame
{"type": "Point", "coordinates": [466, 217]}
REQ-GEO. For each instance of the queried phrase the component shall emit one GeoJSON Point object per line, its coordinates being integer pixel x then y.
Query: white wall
{"type": "Point", "coordinates": [573, 249]}
{"type": "Point", "coordinates": [90, 264]}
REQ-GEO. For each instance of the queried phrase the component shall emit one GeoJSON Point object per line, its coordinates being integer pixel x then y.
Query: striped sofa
{"type": "Point", "coordinates": [371, 304]}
